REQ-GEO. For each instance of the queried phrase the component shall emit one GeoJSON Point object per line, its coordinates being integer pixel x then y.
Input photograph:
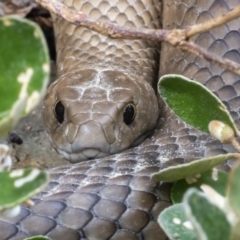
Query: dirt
{"type": "Point", "coordinates": [35, 150]}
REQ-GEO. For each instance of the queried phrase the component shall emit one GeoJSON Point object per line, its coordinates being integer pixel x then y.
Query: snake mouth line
{"type": "Point", "coordinates": [84, 155]}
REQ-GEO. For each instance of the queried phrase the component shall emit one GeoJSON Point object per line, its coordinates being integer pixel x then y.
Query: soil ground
{"type": "Point", "coordinates": [35, 151]}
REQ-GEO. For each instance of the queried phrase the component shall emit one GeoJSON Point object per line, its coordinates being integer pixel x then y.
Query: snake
{"type": "Point", "coordinates": [103, 115]}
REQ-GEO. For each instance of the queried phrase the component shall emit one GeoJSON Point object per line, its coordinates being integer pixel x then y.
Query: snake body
{"type": "Point", "coordinates": [114, 197]}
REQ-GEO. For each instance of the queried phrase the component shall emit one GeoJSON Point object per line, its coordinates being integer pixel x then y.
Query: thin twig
{"type": "Point", "coordinates": [176, 37]}
{"type": "Point", "coordinates": [235, 144]}
{"type": "Point", "coordinates": [106, 28]}
{"type": "Point", "coordinates": [216, 22]}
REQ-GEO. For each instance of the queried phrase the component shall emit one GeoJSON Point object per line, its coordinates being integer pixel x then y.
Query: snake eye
{"type": "Point", "coordinates": [129, 114]}
{"type": "Point", "coordinates": [59, 112]}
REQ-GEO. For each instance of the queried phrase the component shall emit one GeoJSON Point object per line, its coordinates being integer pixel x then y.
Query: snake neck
{"type": "Point", "coordinates": [81, 48]}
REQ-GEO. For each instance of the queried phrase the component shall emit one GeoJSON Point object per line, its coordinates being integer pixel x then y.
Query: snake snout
{"type": "Point", "coordinates": [91, 141]}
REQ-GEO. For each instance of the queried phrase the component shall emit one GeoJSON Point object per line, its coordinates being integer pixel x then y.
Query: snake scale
{"type": "Point", "coordinates": [114, 197]}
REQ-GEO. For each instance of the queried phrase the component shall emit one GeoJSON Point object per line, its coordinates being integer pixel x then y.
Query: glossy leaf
{"type": "Point", "coordinates": [191, 169]}
{"type": "Point", "coordinates": [24, 68]}
{"type": "Point", "coordinates": [214, 178]}
{"type": "Point", "coordinates": [208, 220]}
{"type": "Point", "coordinates": [19, 185]}
{"type": "Point", "coordinates": [173, 222]}
{"type": "Point", "coordinates": [193, 102]}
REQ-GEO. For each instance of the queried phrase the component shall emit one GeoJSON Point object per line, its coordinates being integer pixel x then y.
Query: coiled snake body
{"type": "Point", "coordinates": [114, 197]}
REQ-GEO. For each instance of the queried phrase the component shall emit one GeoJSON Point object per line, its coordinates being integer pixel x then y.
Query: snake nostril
{"type": "Point", "coordinates": [59, 112]}
{"type": "Point", "coordinates": [129, 114]}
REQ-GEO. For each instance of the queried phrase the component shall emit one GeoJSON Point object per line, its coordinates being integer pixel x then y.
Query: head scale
{"type": "Point", "coordinates": [90, 114]}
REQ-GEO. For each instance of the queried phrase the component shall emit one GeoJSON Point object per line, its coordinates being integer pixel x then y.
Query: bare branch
{"type": "Point", "coordinates": [176, 37]}
{"type": "Point", "coordinates": [216, 22]}
{"type": "Point", "coordinates": [106, 28]}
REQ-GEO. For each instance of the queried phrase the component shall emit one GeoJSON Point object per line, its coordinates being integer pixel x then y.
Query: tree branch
{"type": "Point", "coordinates": [176, 37]}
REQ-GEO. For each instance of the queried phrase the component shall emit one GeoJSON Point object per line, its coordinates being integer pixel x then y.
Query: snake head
{"type": "Point", "coordinates": [94, 113]}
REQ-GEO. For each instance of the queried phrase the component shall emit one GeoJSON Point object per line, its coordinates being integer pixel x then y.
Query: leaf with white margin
{"type": "Point", "coordinates": [175, 224]}
{"type": "Point", "coordinates": [5, 158]}
{"type": "Point", "coordinates": [193, 102]}
{"type": "Point", "coordinates": [208, 220]}
{"type": "Point", "coordinates": [193, 168]}
{"type": "Point", "coordinates": [24, 68]}
{"type": "Point", "coordinates": [17, 186]}
{"type": "Point", "coordinates": [213, 178]}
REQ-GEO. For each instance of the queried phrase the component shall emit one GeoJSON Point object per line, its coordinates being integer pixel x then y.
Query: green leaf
{"type": "Point", "coordinates": [24, 68]}
{"type": "Point", "coordinates": [233, 198]}
{"type": "Point", "coordinates": [214, 178]}
{"type": "Point", "coordinates": [235, 232]}
{"type": "Point", "coordinates": [233, 189]}
{"type": "Point", "coordinates": [208, 220]}
{"type": "Point", "coordinates": [191, 169]}
{"type": "Point", "coordinates": [19, 185]}
{"type": "Point", "coordinates": [38, 238]}
{"type": "Point", "coordinates": [173, 222]}
{"type": "Point", "coordinates": [193, 102]}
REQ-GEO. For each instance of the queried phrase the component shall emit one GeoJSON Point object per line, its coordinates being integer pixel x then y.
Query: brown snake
{"type": "Point", "coordinates": [114, 197]}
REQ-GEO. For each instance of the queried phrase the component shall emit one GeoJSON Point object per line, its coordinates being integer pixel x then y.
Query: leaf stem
{"type": "Point", "coordinates": [235, 143]}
